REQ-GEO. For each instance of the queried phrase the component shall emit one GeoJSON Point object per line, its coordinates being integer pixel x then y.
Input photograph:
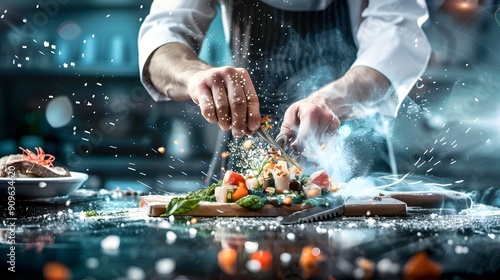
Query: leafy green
{"type": "Point", "coordinates": [251, 201]}
{"type": "Point", "coordinates": [204, 194]}
{"type": "Point", "coordinates": [179, 205]}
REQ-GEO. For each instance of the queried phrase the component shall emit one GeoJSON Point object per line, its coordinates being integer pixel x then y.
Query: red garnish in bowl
{"type": "Point", "coordinates": [39, 158]}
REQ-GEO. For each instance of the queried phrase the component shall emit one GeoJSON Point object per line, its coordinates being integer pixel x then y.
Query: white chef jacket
{"type": "Point", "coordinates": [388, 34]}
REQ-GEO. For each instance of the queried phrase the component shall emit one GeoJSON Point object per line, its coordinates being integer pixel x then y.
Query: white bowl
{"type": "Point", "coordinates": [41, 187]}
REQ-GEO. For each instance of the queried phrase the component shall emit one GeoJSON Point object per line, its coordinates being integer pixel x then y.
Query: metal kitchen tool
{"type": "Point", "coordinates": [269, 139]}
{"type": "Point", "coordinates": [314, 214]}
{"type": "Point", "coordinates": [384, 204]}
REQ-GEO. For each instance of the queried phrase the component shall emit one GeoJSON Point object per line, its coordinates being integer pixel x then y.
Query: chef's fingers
{"type": "Point", "coordinates": [206, 103]}
{"type": "Point", "coordinates": [222, 106]}
{"type": "Point", "coordinates": [289, 125]}
{"type": "Point", "coordinates": [308, 128]}
{"type": "Point", "coordinates": [253, 106]}
{"type": "Point", "coordinates": [328, 124]}
{"type": "Point", "coordinates": [237, 90]}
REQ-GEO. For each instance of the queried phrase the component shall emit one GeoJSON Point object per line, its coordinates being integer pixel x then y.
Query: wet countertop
{"type": "Point", "coordinates": [109, 237]}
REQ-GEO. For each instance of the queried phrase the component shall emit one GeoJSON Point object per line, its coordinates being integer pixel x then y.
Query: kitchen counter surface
{"type": "Point", "coordinates": [107, 236]}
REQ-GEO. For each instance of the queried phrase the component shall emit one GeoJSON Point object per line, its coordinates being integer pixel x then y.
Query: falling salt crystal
{"type": "Point", "coordinates": [251, 247]}
{"type": "Point", "coordinates": [25, 20]}
{"type": "Point", "coordinates": [371, 222]}
{"type": "Point", "coordinates": [46, 44]}
{"type": "Point", "coordinates": [135, 273]}
{"type": "Point", "coordinates": [450, 242]}
{"type": "Point", "coordinates": [165, 266]}
{"type": "Point", "coordinates": [65, 65]}
{"type": "Point", "coordinates": [461, 249]}
{"type": "Point", "coordinates": [92, 263]}
{"type": "Point", "coordinates": [491, 235]}
{"type": "Point", "coordinates": [107, 15]}
{"type": "Point", "coordinates": [99, 84]}
{"type": "Point", "coordinates": [111, 242]}
{"type": "Point", "coordinates": [171, 237]}
{"type": "Point", "coordinates": [387, 266]}
{"type": "Point", "coordinates": [290, 236]}
{"type": "Point", "coordinates": [42, 185]}
{"type": "Point", "coordinates": [285, 258]}
{"type": "Point", "coordinates": [253, 266]}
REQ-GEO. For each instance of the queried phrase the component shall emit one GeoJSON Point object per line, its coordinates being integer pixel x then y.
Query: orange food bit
{"type": "Point", "coordinates": [334, 187]}
{"type": "Point", "coordinates": [225, 154]}
{"type": "Point", "coordinates": [39, 158]}
{"type": "Point", "coordinates": [419, 266]}
{"type": "Point", "coordinates": [226, 258]}
{"type": "Point", "coordinates": [287, 200]}
{"type": "Point", "coordinates": [56, 271]}
{"type": "Point", "coordinates": [240, 192]}
{"type": "Point", "coordinates": [367, 266]}
{"type": "Point", "coordinates": [265, 123]}
{"type": "Point", "coordinates": [247, 144]}
{"type": "Point", "coordinates": [313, 192]}
{"type": "Point", "coordinates": [161, 150]}
{"type": "Point", "coordinates": [310, 260]}
{"type": "Point", "coordinates": [265, 259]}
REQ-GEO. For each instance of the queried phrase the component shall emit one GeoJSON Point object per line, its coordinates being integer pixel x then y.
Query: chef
{"type": "Point", "coordinates": [309, 64]}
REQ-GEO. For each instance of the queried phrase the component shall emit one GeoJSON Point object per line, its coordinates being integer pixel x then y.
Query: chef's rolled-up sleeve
{"type": "Point", "coordinates": [391, 41]}
{"type": "Point", "coordinates": [181, 21]}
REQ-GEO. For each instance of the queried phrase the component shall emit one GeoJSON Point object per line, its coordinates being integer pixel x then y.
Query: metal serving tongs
{"type": "Point", "coordinates": [269, 139]}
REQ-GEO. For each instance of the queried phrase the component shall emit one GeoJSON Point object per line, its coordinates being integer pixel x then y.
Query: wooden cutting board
{"type": "Point", "coordinates": [155, 206]}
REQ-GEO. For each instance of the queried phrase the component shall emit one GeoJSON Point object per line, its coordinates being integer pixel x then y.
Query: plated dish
{"type": "Point", "coordinates": [42, 187]}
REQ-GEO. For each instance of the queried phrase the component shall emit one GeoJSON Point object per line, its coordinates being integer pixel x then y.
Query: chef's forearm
{"type": "Point", "coordinates": [357, 93]}
{"type": "Point", "coordinates": [170, 67]}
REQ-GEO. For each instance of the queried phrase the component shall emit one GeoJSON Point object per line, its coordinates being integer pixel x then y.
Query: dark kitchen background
{"type": "Point", "coordinates": [70, 84]}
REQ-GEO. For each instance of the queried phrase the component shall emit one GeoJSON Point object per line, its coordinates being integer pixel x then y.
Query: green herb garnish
{"type": "Point", "coordinates": [251, 201]}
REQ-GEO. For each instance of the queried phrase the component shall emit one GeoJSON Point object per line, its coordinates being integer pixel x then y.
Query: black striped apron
{"type": "Point", "coordinates": [290, 54]}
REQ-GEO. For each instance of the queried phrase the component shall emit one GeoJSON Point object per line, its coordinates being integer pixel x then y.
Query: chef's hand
{"type": "Point", "coordinates": [226, 96]}
{"type": "Point", "coordinates": [315, 119]}
{"type": "Point", "coordinates": [309, 121]}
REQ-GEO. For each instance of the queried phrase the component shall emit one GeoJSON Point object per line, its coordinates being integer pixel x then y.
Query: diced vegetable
{"type": "Point", "coordinates": [224, 193]}
{"type": "Point", "coordinates": [319, 178]}
{"type": "Point", "coordinates": [252, 183]}
{"type": "Point", "coordinates": [240, 192]}
{"type": "Point", "coordinates": [232, 178]}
